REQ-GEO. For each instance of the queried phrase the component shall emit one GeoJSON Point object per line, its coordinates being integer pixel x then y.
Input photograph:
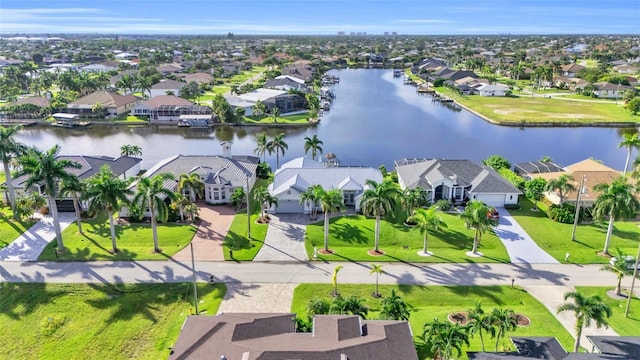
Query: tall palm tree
{"type": "Point", "coordinates": [194, 183]}
{"type": "Point", "coordinates": [630, 142]}
{"type": "Point", "coordinates": [586, 309]}
{"type": "Point", "coordinates": [620, 268]}
{"type": "Point", "coordinates": [107, 193]}
{"type": "Point", "coordinates": [265, 199]}
{"type": "Point", "coordinates": [329, 201]}
{"type": "Point", "coordinates": [445, 338]}
{"type": "Point", "coordinates": [378, 200]}
{"type": "Point", "coordinates": [504, 321]}
{"type": "Point", "coordinates": [475, 217]}
{"type": "Point", "coordinates": [425, 220]}
{"type": "Point", "coordinates": [334, 279]}
{"type": "Point", "coordinates": [73, 187]}
{"type": "Point", "coordinates": [376, 269]}
{"type": "Point", "coordinates": [394, 308]}
{"type": "Point", "coordinates": [413, 198]}
{"type": "Point", "coordinates": [563, 184]}
{"type": "Point", "coordinates": [151, 194]}
{"type": "Point", "coordinates": [130, 150]}
{"type": "Point", "coordinates": [275, 112]}
{"type": "Point", "coordinates": [479, 322]}
{"type": "Point", "coordinates": [10, 148]}
{"type": "Point", "coordinates": [617, 200]}
{"type": "Point", "coordinates": [44, 168]}
{"type": "Point", "coordinates": [262, 145]}
{"type": "Point", "coordinates": [180, 203]}
{"type": "Point", "coordinates": [277, 145]}
{"type": "Point", "coordinates": [311, 196]}
{"type": "Point", "coordinates": [312, 144]}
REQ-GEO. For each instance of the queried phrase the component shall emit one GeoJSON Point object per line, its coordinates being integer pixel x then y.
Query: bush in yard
{"type": "Point", "coordinates": [443, 205]}
{"type": "Point", "coordinates": [564, 213]}
{"type": "Point", "coordinates": [515, 179]}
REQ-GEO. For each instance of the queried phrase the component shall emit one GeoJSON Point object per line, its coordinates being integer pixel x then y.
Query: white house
{"type": "Point", "coordinates": [296, 176]}
{"type": "Point", "coordinates": [248, 100]}
{"type": "Point", "coordinates": [492, 89]}
{"type": "Point", "coordinates": [165, 85]}
{"type": "Point", "coordinates": [457, 181]}
{"type": "Point", "coordinates": [607, 90]}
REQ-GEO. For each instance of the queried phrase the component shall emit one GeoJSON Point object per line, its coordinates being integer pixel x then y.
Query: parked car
{"type": "Point", "coordinates": [630, 260]}
{"type": "Point", "coordinates": [493, 214]}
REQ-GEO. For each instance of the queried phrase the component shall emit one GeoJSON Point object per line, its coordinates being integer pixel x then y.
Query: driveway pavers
{"type": "Point", "coordinates": [207, 242]}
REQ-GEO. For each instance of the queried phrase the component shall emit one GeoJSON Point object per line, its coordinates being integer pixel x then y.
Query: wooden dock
{"type": "Point", "coordinates": [441, 98]}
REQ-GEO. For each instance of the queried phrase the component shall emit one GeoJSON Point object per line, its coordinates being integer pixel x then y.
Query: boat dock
{"type": "Point", "coordinates": [441, 98]}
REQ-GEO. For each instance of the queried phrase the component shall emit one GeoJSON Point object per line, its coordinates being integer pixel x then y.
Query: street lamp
{"type": "Point", "coordinates": [575, 220]}
{"type": "Point", "coordinates": [195, 288]}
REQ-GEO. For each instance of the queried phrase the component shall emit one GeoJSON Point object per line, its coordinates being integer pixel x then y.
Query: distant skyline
{"type": "Point", "coordinates": [322, 17]}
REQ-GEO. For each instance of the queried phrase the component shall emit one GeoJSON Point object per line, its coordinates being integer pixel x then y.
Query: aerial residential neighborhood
{"type": "Point", "coordinates": [392, 185]}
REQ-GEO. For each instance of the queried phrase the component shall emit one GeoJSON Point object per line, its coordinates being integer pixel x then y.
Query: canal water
{"type": "Point", "coordinates": [374, 120]}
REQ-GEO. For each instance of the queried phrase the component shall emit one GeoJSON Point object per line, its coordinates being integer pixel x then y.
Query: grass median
{"type": "Point", "coordinates": [622, 325]}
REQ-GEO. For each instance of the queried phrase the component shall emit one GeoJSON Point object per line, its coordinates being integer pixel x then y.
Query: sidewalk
{"type": "Point", "coordinates": [520, 247]}
{"type": "Point", "coordinates": [29, 245]}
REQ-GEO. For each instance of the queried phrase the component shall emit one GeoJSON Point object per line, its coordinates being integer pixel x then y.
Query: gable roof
{"type": "Point", "coordinates": [107, 99]}
{"type": "Point", "coordinates": [160, 100]}
{"type": "Point", "coordinates": [168, 84]}
{"type": "Point", "coordinates": [33, 100]}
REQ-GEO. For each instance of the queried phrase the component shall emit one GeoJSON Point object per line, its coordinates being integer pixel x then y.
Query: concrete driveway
{"type": "Point", "coordinates": [285, 239]}
{"type": "Point", "coordinates": [29, 245]}
{"type": "Point", "coordinates": [520, 247]}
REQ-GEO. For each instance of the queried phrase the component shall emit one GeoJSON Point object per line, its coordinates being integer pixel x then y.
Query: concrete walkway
{"type": "Point", "coordinates": [29, 245]}
{"type": "Point", "coordinates": [254, 297]}
{"type": "Point", "coordinates": [285, 239]}
{"type": "Point", "coordinates": [520, 247]}
{"type": "Point", "coordinates": [207, 242]}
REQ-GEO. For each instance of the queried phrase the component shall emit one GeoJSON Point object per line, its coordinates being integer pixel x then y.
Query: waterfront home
{"type": "Point", "coordinates": [299, 70]}
{"type": "Point", "coordinates": [456, 180]}
{"type": "Point", "coordinates": [166, 85]}
{"type": "Point", "coordinates": [111, 104]}
{"type": "Point", "coordinates": [525, 169]}
{"type": "Point", "coordinates": [296, 176]}
{"type": "Point", "coordinates": [450, 74]}
{"type": "Point", "coordinates": [607, 90]}
{"type": "Point", "coordinates": [285, 102]}
{"type": "Point", "coordinates": [286, 83]}
{"type": "Point", "coordinates": [252, 336]}
{"type": "Point", "coordinates": [167, 109]}
{"type": "Point", "coordinates": [492, 89]}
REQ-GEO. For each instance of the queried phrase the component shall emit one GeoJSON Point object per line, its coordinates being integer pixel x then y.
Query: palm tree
{"type": "Point", "coordinates": [413, 198]}
{"type": "Point", "coordinates": [563, 184]}
{"type": "Point", "coordinates": [352, 305]}
{"type": "Point", "coordinates": [130, 150]}
{"type": "Point", "coordinates": [311, 196]}
{"type": "Point", "coordinates": [427, 219]}
{"type": "Point", "coordinates": [318, 306]}
{"type": "Point", "coordinates": [278, 146]}
{"type": "Point", "coordinates": [259, 108]}
{"type": "Point", "coordinates": [394, 308]}
{"type": "Point", "coordinates": [265, 199]}
{"type": "Point", "coordinates": [504, 321]}
{"type": "Point", "coordinates": [475, 217]}
{"type": "Point", "coordinates": [616, 201]}
{"type": "Point", "coordinates": [262, 146]}
{"type": "Point", "coordinates": [107, 193]}
{"type": "Point", "coordinates": [312, 144]}
{"type": "Point", "coordinates": [151, 194]}
{"type": "Point", "coordinates": [334, 279]}
{"type": "Point", "coordinates": [194, 183]}
{"type": "Point", "coordinates": [44, 168]}
{"type": "Point", "coordinates": [620, 268]}
{"type": "Point", "coordinates": [10, 148]}
{"type": "Point", "coordinates": [180, 203]}
{"type": "Point", "coordinates": [275, 112]}
{"type": "Point", "coordinates": [329, 201]}
{"type": "Point", "coordinates": [376, 269]}
{"type": "Point", "coordinates": [479, 322]}
{"type": "Point", "coordinates": [445, 337]}
{"type": "Point", "coordinates": [586, 309]}
{"type": "Point", "coordinates": [73, 187]}
{"type": "Point", "coordinates": [378, 200]}
{"type": "Point", "coordinates": [630, 142]}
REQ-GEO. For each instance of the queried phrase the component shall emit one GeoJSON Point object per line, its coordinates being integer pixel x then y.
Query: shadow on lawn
{"type": "Point", "coordinates": [19, 299]}
{"type": "Point", "coordinates": [348, 233]}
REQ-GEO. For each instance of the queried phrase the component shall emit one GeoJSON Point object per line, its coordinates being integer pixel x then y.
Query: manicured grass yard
{"type": "Point", "coordinates": [429, 302]}
{"type": "Point", "coordinates": [623, 326]}
{"type": "Point", "coordinates": [555, 238]}
{"type": "Point", "coordinates": [286, 119]}
{"type": "Point", "coordinates": [10, 229]}
{"type": "Point", "coordinates": [135, 241]}
{"type": "Point", "coordinates": [97, 321]}
{"type": "Point", "coordinates": [527, 109]}
{"type": "Point", "coordinates": [351, 236]}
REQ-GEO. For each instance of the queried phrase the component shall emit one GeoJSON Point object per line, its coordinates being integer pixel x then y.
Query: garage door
{"type": "Point", "coordinates": [65, 206]}
{"type": "Point", "coordinates": [495, 200]}
{"type": "Point", "coordinates": [289, 207]}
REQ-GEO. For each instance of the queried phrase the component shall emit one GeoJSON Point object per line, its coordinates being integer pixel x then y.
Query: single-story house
{"type": "Point", "coordinates": [250, 336]}
{"type": "Point", "coordinates": [286, 83]}
{"type": "Point", "coordinates": [296, 176]}
{"type": "Point", "coordinates": [524, 169]}
{"type": "Point", "coordinates": [166, 85]}
{"type": "Point", "coordinates": [571, 70]}
{"type": "Point", "coordinates": [492, 89]}
{"type": "Point", "coordinates": [167, 69]}
{"type": "Point", "coordinates": [200, 78]}
{"type": "Point", "coordinates": [168, 108]}
{"type": "Point", "coordinates": [299, 70]}
{"type": "Point", "coordinates": [457, 181]}
{"type": "Point", "coordinates": [607, 90]}
{"type": "Point", "coordinates": [98, 68]}
{"type": "Point", "coordinates": [113, 104]}
{"type": "Point", "coordinates": [285, 102]}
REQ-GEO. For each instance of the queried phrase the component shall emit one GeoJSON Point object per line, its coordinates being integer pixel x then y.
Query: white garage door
{"type": "Point", "coordinates": [289, 207]}
{"type": "Point", "coordinates": [495, 200]}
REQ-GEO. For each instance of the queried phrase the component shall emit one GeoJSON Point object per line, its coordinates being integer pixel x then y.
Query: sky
{"type": "Point", "coordinates": [323, 17]}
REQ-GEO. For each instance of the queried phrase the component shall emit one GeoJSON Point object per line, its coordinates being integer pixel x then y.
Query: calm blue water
{"type": "Point", "coordinates": [374, 120]}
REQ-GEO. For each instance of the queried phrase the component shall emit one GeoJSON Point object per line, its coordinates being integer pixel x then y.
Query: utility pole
{"type": "Point", "coordinates": [633, 282]}
{"type": "Point", "coordinates": [248, 208]}
{"type": "Point", "coordinates": [195, 289]}
{"type": "Point", "coordinates": [575, 220]}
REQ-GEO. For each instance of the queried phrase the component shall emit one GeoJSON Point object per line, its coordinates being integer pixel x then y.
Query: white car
{"type": "Point", "coordinates": [630, 260]}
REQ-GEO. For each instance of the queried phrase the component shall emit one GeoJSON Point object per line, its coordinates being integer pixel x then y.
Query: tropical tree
{"type": "Point", "coordinates": [318, 306]}
{"type": "Point", "coordinates": [497, 162]}
{"type": "Point", "coordinates": [44, 168]}
{"type": "Point", "coordinates": [9, 149]}
{"type": "Point", "coordinates": [238, 197]}
{"type": "Point", "coordinates": [259, 108]}
{"type": "Point", "coordinates": [534, 189]}
{"type": "Point", "coordinates": [151, 194]}
{"type": "Point", "coordinates": [130, 150]}
{"type": "Point", "coordinates": [277, 145]}
{"type": "Point", "coordinates": [180, 203]}
{"type": "Point", "coordinates": [504, 320]}
{"type": "Point", "coordinates": [311, 196]}
{"type": "Point", "coordinates": [479, 322]}
{"type": "Point", "coordinates": [376, 269]}
{"type": "Point", "coordinates": [563, 184]}
{"type": "Point", "coordinates": [329, 201]}
{"type": "Point", "coordinates": [312, 144]}
{"type": "Point", "coordinates": [378, 200]}
{"type": "Point", "coordinates": [353, 305]}
{"type": "Point", "coordinates": [334, 279]}
{"type": "Point", "coordinates": [586, 309]}
{"type": "Point", "coordinates": [262, 145]}
{"type": "Point", "coordinates": [275, 112]}
{"type": "Point", "coordinates": [265, 199]}
{"type": "Point", "coordinates": [445, 338]}
{"type": "Point", "coordinates": [413, 198]}
{"type": "Point", "coordinates": [617, 200]}
{"type": "Point", "coordinates": [620, 268]}
{"type": "Point", "coordinates": [630, 142]}
{"type": "Point", "coordinates": [73, 187]}
{"type": "Point", "coordinates": [475, 217]}
{"type": "Point", "coordinates": [107, 194]}
{"type": "Point", "coordinates": [194, 183]}
{"type": "Point", "coordinates": [394, 308]}
{"type": "Point", "coordinates": [427, 220]}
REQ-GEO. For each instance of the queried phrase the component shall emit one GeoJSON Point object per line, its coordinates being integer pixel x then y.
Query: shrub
{"type": "Point", "coordinates": [515, 179]}
{"type": "Point", "coordinates": [443, 205]}
{"type": "Point", "coordinates": [564, 213]}
{"type": "Point", "coordinates": [512, 206]}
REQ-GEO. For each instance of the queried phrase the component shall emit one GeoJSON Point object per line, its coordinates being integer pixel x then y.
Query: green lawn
{"type": "Point", "coordinates": [10, 229]}
{"type": "Point", "coordinates": [97, 321]}
{"type": "Point", "coordinates": [429, 302]}
{"type": "Point", "coordinates": [351, 236]}
{"type": "Point", "coordinates": [555, 238]}
{"type": "Point", "coordinates": [245, 249]}
{"type": "Point", "coordinates": [135, 241]}
{"type": "Point", "coordinates": [132, 119]}
{"type": "Point", "coordinates": [623, 326]}
{"type": "Point", "coordinates": [286, 119]}
{"type": "Point", "coordinates": [527, 109]}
